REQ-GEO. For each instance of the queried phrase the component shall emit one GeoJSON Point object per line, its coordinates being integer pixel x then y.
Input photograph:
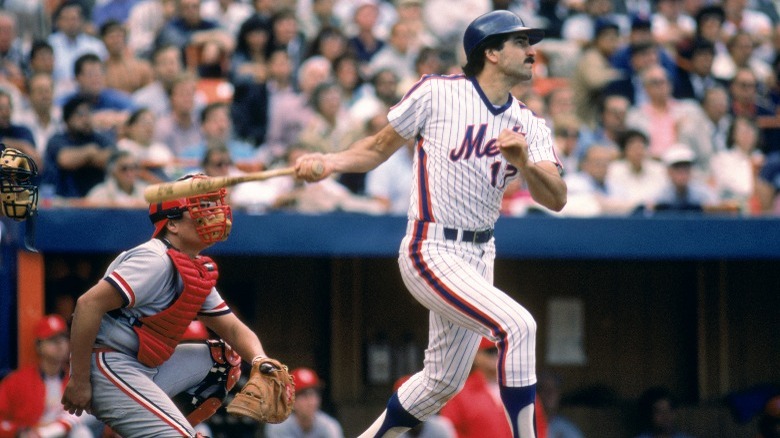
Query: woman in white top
{"type": "Point", "coordinates": [734, 169]}
{"type": "Point", "coordinates": [156, 159]}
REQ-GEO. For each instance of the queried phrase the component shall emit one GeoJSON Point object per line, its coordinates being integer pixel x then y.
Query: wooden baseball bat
{"type": "Point", "coordinates": [196, 186]}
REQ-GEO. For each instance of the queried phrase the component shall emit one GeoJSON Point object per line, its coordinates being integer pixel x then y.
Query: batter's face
{"type": "Point", "coordinates": [516, 58]}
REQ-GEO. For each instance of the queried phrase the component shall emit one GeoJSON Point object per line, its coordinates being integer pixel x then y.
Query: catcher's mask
{"type": "Point", "coordinates": [210, 212]}
{"type": "Point", "coordinates": [18, 193]}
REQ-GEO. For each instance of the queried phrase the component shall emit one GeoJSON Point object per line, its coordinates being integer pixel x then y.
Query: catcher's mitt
{"type": "Point", "coordinates": [269, 394]}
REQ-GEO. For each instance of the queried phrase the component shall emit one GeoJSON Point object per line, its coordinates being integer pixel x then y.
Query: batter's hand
{"type": "Point", "coordinates": [514, 147]}
{"type": "Point", "coordinates": [77, 397]}
{"type": "Point", "coordinates": [312, 167]}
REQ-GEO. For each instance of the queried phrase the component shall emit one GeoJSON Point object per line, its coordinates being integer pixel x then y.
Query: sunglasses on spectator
{"type": "Point", "coordinates": [221, 164]}
{"type": "Point", "coordinates": [127, 167]}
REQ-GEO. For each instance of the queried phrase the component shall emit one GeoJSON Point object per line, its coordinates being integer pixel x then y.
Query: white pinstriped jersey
{"type": "Point", "coordinates": [459, 174]}
{"type": "Point", "coordinates": [144, 277]}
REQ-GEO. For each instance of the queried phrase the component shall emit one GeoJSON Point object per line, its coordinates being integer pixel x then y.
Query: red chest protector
{"type": "Point", "coordinates": [158, 335]}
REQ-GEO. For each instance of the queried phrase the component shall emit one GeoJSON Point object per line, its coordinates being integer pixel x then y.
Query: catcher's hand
{"type": "Point", "coordinates": [269, 394]}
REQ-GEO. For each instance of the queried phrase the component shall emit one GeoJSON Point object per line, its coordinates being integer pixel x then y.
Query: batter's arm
{"type": "Point", "coordinates": [90, 308]}
{"type": "Point", "coordinates": [545, 184]}
{"type": "Point", "coordinates": [362, 156]}
{"type": "Point", "coordinates": [543, 179]}
{"type": "Point", "coordinates": [243, 340]}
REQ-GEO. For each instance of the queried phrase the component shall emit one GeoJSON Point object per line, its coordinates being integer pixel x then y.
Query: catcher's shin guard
{"type": "Point", "coordinates": [201, 401]}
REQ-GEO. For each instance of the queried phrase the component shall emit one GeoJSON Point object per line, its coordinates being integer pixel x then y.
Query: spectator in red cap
{"type": "Point", "coordinates": [769, 421]}
{"type": "Point", "coordinates": [477, 411]}
{"type": "Point", "coordinates": [30, 396]}
{"type": "Point", "coordinates": [307, 419]}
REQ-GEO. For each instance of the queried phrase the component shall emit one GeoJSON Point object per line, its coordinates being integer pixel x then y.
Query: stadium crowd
{"type": "Point", "coordinates": [654, 105]}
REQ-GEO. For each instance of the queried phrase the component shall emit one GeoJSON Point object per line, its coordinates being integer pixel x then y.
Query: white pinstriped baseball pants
{"type": "Point", "coordinates": [454, 280]}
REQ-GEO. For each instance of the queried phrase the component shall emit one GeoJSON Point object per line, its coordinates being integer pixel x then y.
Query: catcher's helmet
{"type": "Point", "coordinates": [496, 23]}
{"type": "Point", "coordinates": [209, 210]}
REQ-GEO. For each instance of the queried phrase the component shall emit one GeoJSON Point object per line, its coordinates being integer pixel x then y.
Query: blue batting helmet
{"type": "Point", "coordinates": [496, 23]}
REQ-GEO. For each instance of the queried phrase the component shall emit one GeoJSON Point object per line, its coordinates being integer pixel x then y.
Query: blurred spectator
{"type": "Point", "coordinates": [217, 131]}
{"type": "Point", "coordinates": [110, 107]}
{"type": "Point", "coordinates": [248, 62]}
{"type": "Point", "coordinates": [122, 187]}
{"type": "Point", "coordinates": [253, 196]}
{"type": "Point", "coordinates": [447, 23]}
{"type": "Point", "coordinates": [593, 70]}
{"type": "Point", "coordinates": [709, 21]}
{"type": "Point", "coordinates": [346, 72]}
{"type": "Point", "coordinates": [410, 12]}
{"type": "Point", "coordinates": [32, 17]}
{"type": "Point", "coordinates": [330, 43]}
{"type": "Point", "coordinates": [683, 192]}
{"type": "Point", "coordinates": [71, 40]}
{"type": "Point", "coordinates": [30, 396]}
{"type": "Point", "coordinates": [566, 132]}
{"type": "Point", "coordinates": [42, 117]}
{"type": "Point", "coordinates": [286, 35]}
{"type": "Point", "coordinates": [15, 135]}
{"type": "Point", "coordinates": [291, 112]}
{"type": "Point", "coordinates": [398, 55]}
{"type": "Point", "coordinates": [768, 184]}
{"type": "Point", "coordinates": [548, 386]}
{"type": "Point", "coordinates": [658, 414]}
{"type": "Point", "coordinates": [769, 420]}
{"type": "Point", "coordinates": [155, 158]}
{"type": "Point", "coordinates": [188, 28]}
{"type": "Point", "coordinates": [316, 15]}
{"type": "Point", "coordinates": [11, 51]}
{"type": "Point", "coordinates": [147, 18]}
{"type": "Point", "coordinates": [477, 411]}
{"type": "Point", "coordinates": [588, 194]}
{"type": "Point", "coordinates": [671, 25]}
{"type": "Point", "coordinates": [330, 128]}
{"type": "Point", "coordinates": [640, 36]}
{"type": "Point", "coordinates": [579, 28]}
{"type": "Point", "coordinates": [229, 14]}
{"type": "Point", "coordinates": [365, 43]}
{"type": "Point", "coordinates": [391, 182]}
{"type": "Point", "coordinates": [741, 55]}
{"type": "Point", "coordinates": [381, 95]}
{"type": "Point", "coordinates": [610, 123]}
{"type": "Point", "coordinates": [307, 418]}
{"type": "Point", "coordinates": [734, 170]}
{"type": "Point", "coordinates": [746, 101]}
{"type": "Point", "coordinates": [629, 85]}
{"type": "Point", "coordinates": [76, 158]}
{"type": "Point", "coordinates": [167, 66]}
{"type": "Point", "coordinates": [663, 117]}
{"type": "Point", "coordinates": [124, 71]}
{"type": "Point", "coordinates": [710, 128]}
{"type": "Point", "coordinates": [694, 73]}
{"type": "Point", "coordinates": [179, 127]}
{"type": "Point", "coordinates": [743, 18]}
{"type": "Point", "coordinates": [635, 177]}
{"type": "Point", "coordinates": [558, 101]}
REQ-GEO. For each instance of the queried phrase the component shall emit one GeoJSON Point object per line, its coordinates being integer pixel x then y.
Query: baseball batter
{"type": "Point", "coordinates": [472, 138]}
{"type": "Point", "coordinates": [126, 360]}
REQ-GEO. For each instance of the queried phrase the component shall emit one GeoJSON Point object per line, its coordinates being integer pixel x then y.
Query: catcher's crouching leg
{"type": "Point", "coordinates": [201, 401]}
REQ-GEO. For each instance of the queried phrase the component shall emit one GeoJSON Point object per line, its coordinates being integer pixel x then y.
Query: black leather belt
{"type": "Point", "coordinates": [469, 236]}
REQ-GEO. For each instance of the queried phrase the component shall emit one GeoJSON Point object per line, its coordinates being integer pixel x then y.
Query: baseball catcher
{"type": "Point", "coordinates": [18, 193]}
{"type": "Point", "coordinates": [128, 363]}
